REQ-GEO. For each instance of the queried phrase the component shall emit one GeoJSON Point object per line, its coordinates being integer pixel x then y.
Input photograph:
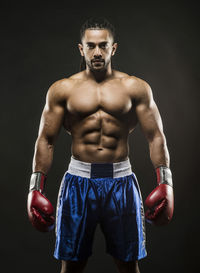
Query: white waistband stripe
{"type": "Point", "coordinates": [83, 169]}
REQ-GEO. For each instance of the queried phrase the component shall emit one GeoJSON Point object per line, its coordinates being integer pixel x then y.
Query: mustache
{"type": "Point", "coordinates": [97, 59]}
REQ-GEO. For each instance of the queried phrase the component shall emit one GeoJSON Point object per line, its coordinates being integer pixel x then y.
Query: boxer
{"type": "Point", "coordinates": [99, 107]}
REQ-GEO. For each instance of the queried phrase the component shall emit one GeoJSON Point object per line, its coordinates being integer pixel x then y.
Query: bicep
{"type": "Point", "coordinates": [149, 117]}
{"type": "Point", "coordinates": [51, 119]}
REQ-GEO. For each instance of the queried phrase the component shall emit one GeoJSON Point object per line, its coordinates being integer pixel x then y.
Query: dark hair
{"type": "Point", "coordinates": [95, 23]}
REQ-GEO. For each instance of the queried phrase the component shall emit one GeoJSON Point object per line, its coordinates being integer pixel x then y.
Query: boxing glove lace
{"type": "Point", "coordinates": [40, 210]}
{"type": "Point", "coordinates": [160, 202]}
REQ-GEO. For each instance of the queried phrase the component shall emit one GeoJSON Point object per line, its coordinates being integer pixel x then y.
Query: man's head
{"type": "Point", "coordinates": [98, 44]}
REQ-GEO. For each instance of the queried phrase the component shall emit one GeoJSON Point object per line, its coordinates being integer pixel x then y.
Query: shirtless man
{"type": "Point", "coordinates": [99, 107]}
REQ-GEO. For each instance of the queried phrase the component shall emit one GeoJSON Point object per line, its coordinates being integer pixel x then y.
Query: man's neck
{"type": "Point", "coordinates": [99, 76]}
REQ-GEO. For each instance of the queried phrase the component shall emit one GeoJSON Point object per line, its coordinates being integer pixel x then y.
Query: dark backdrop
{"type": "Point", "coordinates": [158, 42]}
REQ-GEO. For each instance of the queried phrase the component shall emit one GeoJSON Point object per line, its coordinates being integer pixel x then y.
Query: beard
{"type": "Point", "coordinates": [97, 67]}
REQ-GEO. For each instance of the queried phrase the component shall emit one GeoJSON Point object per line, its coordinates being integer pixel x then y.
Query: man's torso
{"type": "Point", "coordinates": [100, 116]}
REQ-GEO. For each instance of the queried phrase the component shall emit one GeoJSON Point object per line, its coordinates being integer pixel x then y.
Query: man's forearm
{"type": "Point", "coordinates": [158, 152]}
{"type": "Point", "coordinates": [43, 155]}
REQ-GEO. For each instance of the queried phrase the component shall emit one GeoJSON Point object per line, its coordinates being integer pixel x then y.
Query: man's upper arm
{"type": "Point", "coordinates": [53, 113]}
{"type": "Point", "coordinates": [147, 112]}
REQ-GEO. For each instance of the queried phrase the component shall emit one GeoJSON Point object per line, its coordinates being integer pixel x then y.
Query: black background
{"type": "Point", "coordinates": [158, 42]}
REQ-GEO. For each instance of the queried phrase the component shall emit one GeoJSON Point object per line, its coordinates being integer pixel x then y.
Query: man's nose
{"type": "Point", "coordinates": [97, 52]}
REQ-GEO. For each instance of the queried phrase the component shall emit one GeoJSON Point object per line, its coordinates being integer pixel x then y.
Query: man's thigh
{"type": "Point", "coordinates": [79, 266]}
{"type": "Point", "coordinates": [73, 266]}
{"type": "Point", "coordinates": [122, 221]}
{"type": "Point", "coordinates": [127, 267]}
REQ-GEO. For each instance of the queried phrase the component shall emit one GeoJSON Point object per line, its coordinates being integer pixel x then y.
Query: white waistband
{"type": "Point", "coordinates": [80, 168]}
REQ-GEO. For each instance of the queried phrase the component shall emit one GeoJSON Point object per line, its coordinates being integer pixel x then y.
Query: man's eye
{"type": "Point", "coordinates": [90, 46]}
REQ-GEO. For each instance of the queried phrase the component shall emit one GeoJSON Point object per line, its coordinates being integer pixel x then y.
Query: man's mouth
{"type": "Point", "coordinates": [97, 61]}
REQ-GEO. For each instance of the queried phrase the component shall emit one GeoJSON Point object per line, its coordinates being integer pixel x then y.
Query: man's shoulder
{"type": "Point", "coordinates": [130, 80]}
{"type": "Point", "coordinates": [136, 86]}
{"type": "Point", "coordinates": [133, 81]}
{"type": "Point", "coordinates": [78, 76]}
{"type": "Point", "coordinates": [62, 84]}
{"type": "Point", "coordinates": [62, 87]}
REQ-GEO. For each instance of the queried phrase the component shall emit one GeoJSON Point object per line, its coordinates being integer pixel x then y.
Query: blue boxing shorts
{"type": "Point", "coordinates": [107, 194]}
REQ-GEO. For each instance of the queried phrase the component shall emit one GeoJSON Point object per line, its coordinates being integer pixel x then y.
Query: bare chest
{"type": "Point", "coordinates": [112, 99]}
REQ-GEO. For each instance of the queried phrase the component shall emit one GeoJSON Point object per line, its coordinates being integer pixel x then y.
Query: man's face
{"type": "Point", "coordinates": [97, 48]}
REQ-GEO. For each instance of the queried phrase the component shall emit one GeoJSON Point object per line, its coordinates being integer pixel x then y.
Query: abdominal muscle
{"type": "Point", "coordinates": [99, 154]}
{"type": "Point", "coordinates": [99, 140]}
{"type": "Point", "coordinates": [94, 152]}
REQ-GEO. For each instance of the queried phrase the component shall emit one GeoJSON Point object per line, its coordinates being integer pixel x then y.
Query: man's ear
{"type": "Point", "coordinates": [80, 46]}
{"type": "Point", "coordinates": [115, 45]}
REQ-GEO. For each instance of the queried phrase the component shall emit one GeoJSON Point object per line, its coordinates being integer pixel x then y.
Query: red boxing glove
{"type": "Point", "coordinates": [40, 210]}
{"type": "Point", "coordinates": [160, 202]}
